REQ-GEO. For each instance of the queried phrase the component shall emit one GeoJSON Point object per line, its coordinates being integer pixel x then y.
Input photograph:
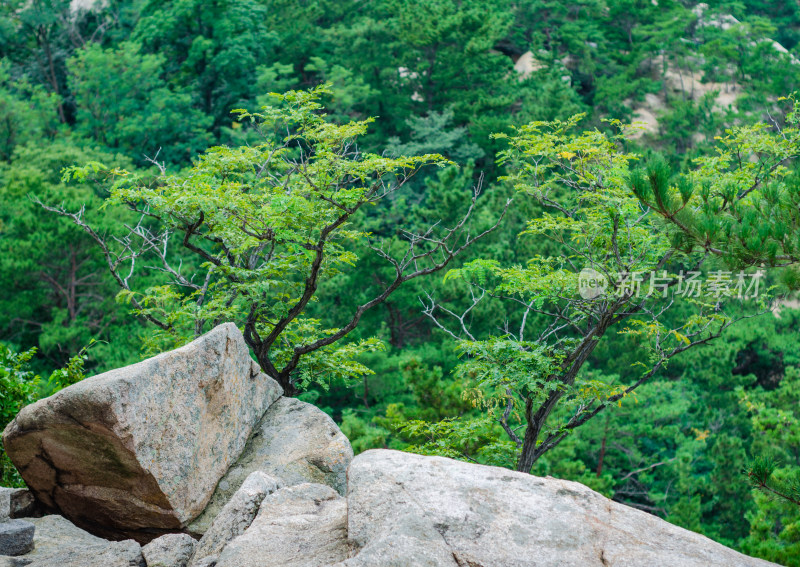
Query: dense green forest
{"type": "Point", "coordinates": [480, 158]}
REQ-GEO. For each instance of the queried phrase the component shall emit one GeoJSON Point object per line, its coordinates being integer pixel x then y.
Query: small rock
{"type": "Point", "coordinates": [16, 503]}
{"type": "Point", "coordinates": [297, 526]}
{"type": "Point", "coordinates": [13, 561]}
{"type": "Point", "coordinates": [16, 537]}
{"type": "Point", "coordinates": [171, 550]}
{"type": "Point", "coordinates": [5, 504]}
{"type": "Point", "coordinates": [295, 442]}
{"type": "Point", "coordinates": [236, 516]}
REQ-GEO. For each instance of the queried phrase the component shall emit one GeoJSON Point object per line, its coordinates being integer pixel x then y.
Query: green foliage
{"type": "Point", "coordinates": [27, 112]}
{"type": "Point", "coordinates": [761, 474]}
{"type": "Point", "coordinates": [211, 49]}
{"type": "Point", "coordinates": [473, 440]}
{"type": "Point", "coordinates": [120, 81]}
{"type": "Point", "coordinates": [19, 383]}
{"type": "Point", "coordinates": [741, 202]}
{"type": "Point", "coordinates": [19, 386]}
{"type": "Point", "coordinates": [593, 212]}
{"type": "Point", "coordinates": [72, 373]}
{"type": "Point", "coordinates": [773, 471]}
{"type": "Point", "coordinates": [146, 118]}
{"type": "Point", "coordinates": [17, 389]}
{"type": "Point", "coordinates": [268, 223]}
{"type": "Point", "coordinates": [55, 294]}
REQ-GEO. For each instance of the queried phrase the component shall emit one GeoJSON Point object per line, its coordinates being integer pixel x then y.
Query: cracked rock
{"type": "Point", "coordinates": [406, 509]}
{"type": "Point", "coordinates": [297, 526]}
{"type": "Point", "coordinates": [295, 442]}
{"type": "Point", "coordinates": [138, 451]}
{"type": "Point", "coordinates": [236, 516]}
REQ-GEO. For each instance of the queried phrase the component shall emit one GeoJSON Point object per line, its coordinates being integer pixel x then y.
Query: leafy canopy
{"type": "Point", "coordinates": [598, 215]}
{"type": "Point", "coordinates": [267, 224]}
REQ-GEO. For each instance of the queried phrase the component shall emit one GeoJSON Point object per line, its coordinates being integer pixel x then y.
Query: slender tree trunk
{"type": "Point", "coordinates": [602, 450]}
{"type": "Point", "coordinates": [282, 378]}
{"type": "Point", "coordinates": [536, 422]}
{"type": "Point", "coordinates": [537, 419]}
{"type": "Point", "coordinates": [289, 389]}
{"type": "Point", "coordinates": [366, 393]}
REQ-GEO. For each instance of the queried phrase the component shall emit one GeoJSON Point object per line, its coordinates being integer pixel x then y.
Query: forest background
{"type": "Point", "coordinates": [120, 82]}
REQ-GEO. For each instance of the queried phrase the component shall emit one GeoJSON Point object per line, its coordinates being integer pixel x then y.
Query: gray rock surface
{"type": "Point", "coordinates": [126, 554]}
{"type": "Point", "coordinates": [16, 503]}
{"type": "Point", "coordinates": [406, 540]}
{"type": "Point", "coordinates": [294, 441]}
{"type": "Point", "coordinates": [139, 451]}
{"type": "Point", "coordinates": [13, 561]}
{"type": "Point", "coordinates": [55, 533]}
{"type": "Point", "coordinates": [297, 526]}
{"type": "Point", "coordinates": [59, 543]}
{"type": "Point", "coordinates": [16, 537]}
{"type": "Point", "coordinates": [236, 516]}
{"type": "Point", "coordinates": [403, 506]}
{"type": "Point", "coordinates": [171, 550]}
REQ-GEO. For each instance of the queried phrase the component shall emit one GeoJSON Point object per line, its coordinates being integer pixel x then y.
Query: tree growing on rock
{"type": "Point", "coordinates": [625, 249]}
{"type": "Point", "coordinates": [267, 225]}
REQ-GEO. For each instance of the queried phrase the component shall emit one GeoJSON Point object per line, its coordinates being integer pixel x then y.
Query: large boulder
{"type": "Point", "coordinates": [138, 451]}
{"type": "Point", "coordinates": [297, 526]}
{"type": "Point", "coordinates": [295, 442]}
{"type": "Point", "coordinates": [444, 512]}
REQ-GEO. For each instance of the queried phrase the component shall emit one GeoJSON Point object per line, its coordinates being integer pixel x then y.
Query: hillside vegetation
{"type": "Point", "coordinates": [460, 162]}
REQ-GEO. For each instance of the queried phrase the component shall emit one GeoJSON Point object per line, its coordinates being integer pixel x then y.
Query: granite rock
{"type": "Point", "coordinates": [406, 509]}
{"type": "Point", "coordinates": [295, 442]}
{"type": "Point", "coordinates": [16, 537]}
{"type": "Point", "coordinates": [236, 516]}
{"type": "Point", "coordinates": [171, 550]}
{"type": "Point", "coordinates": [297, 526]}
{"type": "Point", "coordinates": [138, 451]}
